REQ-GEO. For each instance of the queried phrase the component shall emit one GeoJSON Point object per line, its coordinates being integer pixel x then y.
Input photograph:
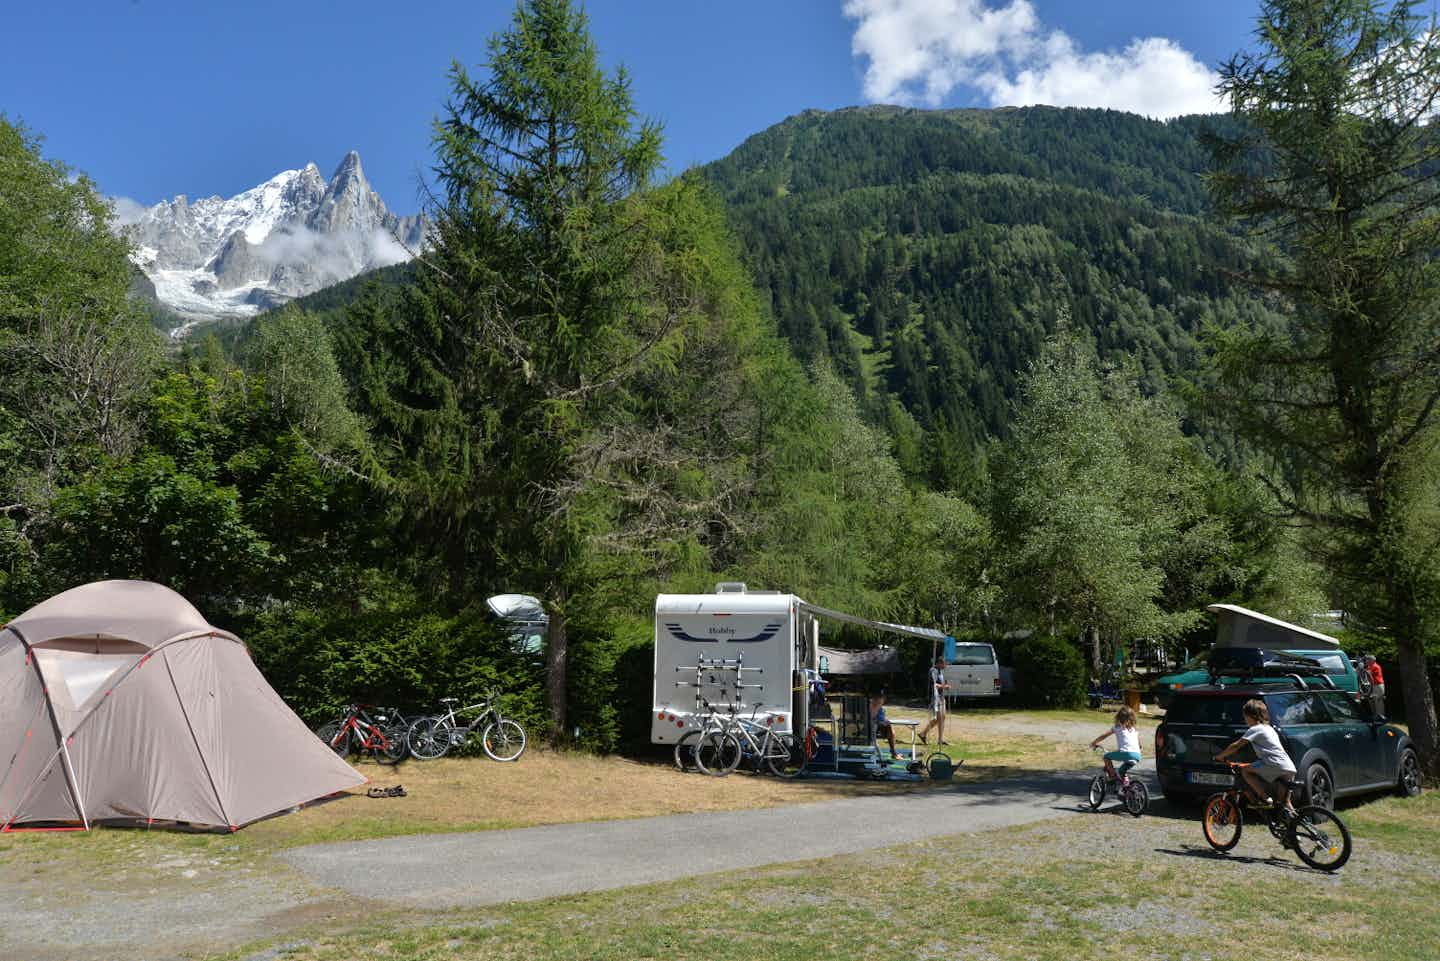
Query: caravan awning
{"type": "Point", "coordinates": [880, 660]}
{"type": "Point", "coordinates": [929, 633]}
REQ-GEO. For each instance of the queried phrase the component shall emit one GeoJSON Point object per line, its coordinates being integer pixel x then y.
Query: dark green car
{"type": "Point", "coordinates": [1337, 746]}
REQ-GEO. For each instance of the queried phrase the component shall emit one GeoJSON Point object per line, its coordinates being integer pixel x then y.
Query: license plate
{"type": "Point", "coordinates": [970, 682]}
{"type": "Point", "coordinates": [1205, 777]}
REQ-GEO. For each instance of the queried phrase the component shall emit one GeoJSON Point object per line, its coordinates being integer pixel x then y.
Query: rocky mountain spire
{"type": "Point", "coordinates": [289, 236]}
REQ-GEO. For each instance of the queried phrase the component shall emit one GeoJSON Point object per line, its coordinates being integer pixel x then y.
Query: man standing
{"type": "Point", "coordinates": [1377, 684]}
{"type": "Point", "coordinates": [938, 687]}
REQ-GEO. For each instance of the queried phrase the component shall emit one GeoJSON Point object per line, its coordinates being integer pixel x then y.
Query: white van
{"type": "Point", "coordinates": [971, 670]}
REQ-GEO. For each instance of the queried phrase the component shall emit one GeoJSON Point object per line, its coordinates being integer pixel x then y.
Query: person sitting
{"type": "Point", "coordinates": [1272, 767]}
{"type": "Point", "coordinates": [1127, 744]}
{"type": "Point", "coordinates": [881, 723]}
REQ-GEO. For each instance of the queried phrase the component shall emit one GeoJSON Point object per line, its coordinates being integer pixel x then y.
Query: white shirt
{"type": "Point", "coordinates": [1127, 738]}
{"type": "Point", "coordinates": [1266, 744]}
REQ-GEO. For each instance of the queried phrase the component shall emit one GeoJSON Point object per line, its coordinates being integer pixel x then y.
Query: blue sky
{"type": "Point", "coordinates": [154, 98]}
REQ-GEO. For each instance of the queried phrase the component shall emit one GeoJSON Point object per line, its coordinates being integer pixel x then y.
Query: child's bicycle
{"type": "Point", "coordinates": [1317, 835]}
{"type": "Point", "coordinates": [1132, 792]}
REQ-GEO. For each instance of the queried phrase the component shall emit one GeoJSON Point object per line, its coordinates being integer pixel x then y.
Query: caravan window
{"type": "Point", "coordinates": [971, 655]}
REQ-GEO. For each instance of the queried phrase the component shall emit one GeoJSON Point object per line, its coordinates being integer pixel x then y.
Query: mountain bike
{"type": "Point", "coordinates": [502, 738]}
{"type": "Point", "coordinates": [1316, 835]}
{"type": "Point", "coordinates": [1132, 792]}
{"type": "Point", "coordinates": [358, 732]}
{"type": "Point", "coordinates": [721, 749]}
{"type": "Point", "coordinates": [691, 741]}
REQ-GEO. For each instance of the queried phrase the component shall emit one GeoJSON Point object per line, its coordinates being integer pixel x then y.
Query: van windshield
{"type": "Point", "coordinates": [1205, 710]}
{"type": "Point", "coordinates": [1334, 664]}
{"type": "Point", "coordinates": [1196, 663]}
{"type": "Point", "coordinates": [973, 654]}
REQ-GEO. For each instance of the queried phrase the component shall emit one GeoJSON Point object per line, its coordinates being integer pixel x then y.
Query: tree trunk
{"type": "Point", "coordinates": [1419, 702]}
{"type": "Point", "coordinates": [556, 644]}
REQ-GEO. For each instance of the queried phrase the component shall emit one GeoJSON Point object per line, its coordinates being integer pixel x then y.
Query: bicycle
{"type": "Point", "coordinates": [357, 732]}
{"type": "Point", "coordinates": [1132, 792]}
{"type": "Point", "coordinates": [690, 741]}
{"type": "Point", "coordinates": [1317, 836]}
{"type": "Point", "coordinates": [502, 738]}
{"type": "Point", "coordinates": [721, 749]}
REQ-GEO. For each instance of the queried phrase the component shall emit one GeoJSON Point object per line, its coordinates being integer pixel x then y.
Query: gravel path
{"type": "Point", "coordinates": [530, 863]}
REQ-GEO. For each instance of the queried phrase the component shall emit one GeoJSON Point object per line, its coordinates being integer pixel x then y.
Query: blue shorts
{"type": "Point", "coordinates": [1123, 756]}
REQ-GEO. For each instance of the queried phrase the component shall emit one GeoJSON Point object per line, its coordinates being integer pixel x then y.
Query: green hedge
{"type": "Point", "coordinates": [611, 671]}
{"type": "Point", "coordinates": [322, 661]}
{"type": "Point", "coordinates": [1049, 672]}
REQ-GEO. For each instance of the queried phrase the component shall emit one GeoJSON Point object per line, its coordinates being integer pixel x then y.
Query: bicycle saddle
{"type": "Point", "coordinates": [449, 700]}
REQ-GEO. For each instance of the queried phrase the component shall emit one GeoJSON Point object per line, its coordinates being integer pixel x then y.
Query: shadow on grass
{"type": "Point", "coordinates": [1209, 854]}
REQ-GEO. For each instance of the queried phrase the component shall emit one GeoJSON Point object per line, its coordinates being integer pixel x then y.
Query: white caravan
{"type": "Point", "coordinates": [741, 650]}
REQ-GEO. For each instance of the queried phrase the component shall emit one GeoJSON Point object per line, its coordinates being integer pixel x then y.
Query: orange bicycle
{"type": "Point", "coordinates": [1318, 836]}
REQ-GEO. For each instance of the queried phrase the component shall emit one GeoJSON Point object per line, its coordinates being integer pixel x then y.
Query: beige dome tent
{"type": "Point", "coordinates": [119, 702]}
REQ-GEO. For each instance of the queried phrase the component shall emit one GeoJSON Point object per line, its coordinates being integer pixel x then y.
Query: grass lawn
{"type": "Point", "coordinates": [1081, 886]}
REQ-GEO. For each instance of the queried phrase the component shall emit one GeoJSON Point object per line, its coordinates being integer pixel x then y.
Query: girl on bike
{"type": "Point", "coordinates": [1127, 741]}
{"type": "Point", "coordinates": [1271, 764]}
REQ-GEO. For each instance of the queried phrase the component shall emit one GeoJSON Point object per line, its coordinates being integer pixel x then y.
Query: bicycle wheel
{"type": "Point", "coordinates": [1364, 684]}
{"type": "Point", "coordinates": [685, 751]}
{"type": "Point", "coordinates": [784, 756]}
{"type": "Point", "coordinates": [428, 738]}
{"type": "Point", "coordinates": [390, 744]}
{"type": "Point", "coordinates": [718, 753]}
{"type": "Point", "coordinates": [1320, 838]}
{"type": "Point", "coordinates": [1223, 821]}
{"type": "Point", "coordinates": [504, 740]}
{"type": "Point", "coordinates": [336, 738]}
{"type": "Point", "coordinates": [1096, 797]}
{"type": "Point", "coordinates": [1136, 797]}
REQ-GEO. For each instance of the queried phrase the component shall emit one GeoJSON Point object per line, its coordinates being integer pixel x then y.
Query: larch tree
{"type": "Point", "coordinates": [531, 317]}
{"type": "Point", "coordinates": [1336, 165]}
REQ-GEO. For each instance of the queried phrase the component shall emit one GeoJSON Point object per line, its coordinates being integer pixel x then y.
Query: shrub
{"type": "Point", "coordinates": [320, 661]}
{"type": "Point", "coordinates": [1049, 672]}
{"type": "Point", "coordinates": [610, 677]}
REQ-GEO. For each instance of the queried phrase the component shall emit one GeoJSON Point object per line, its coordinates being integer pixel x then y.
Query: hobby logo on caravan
{"type": "Point", "coordinates": [769, 631]}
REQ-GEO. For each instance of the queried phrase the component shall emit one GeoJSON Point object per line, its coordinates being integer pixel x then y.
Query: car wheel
{"type": "Point", "coordinates": [1408, 783]}
{"type": "Point", "coordinates": [1319, 788]}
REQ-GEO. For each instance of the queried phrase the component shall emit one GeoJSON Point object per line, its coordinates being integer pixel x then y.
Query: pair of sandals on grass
{"type": "Point", "coordinates": [396, 791]}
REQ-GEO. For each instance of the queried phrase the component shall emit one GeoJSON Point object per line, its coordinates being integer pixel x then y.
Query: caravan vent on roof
{"type": "Point", "coordinates": [730, 587]}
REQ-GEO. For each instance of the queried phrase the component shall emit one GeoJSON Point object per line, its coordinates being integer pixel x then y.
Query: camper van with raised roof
{"type": "Point", "coordinates": [1254, 648]}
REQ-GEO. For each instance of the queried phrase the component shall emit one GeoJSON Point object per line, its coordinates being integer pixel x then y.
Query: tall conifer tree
{"type": "Point", "coordinates": [529, 318]}
{"type": "Point", "coordinates": [1338, 164]}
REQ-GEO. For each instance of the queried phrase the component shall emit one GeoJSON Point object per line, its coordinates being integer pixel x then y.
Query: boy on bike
{"type": "Point", "coordinates": [1272, 766]}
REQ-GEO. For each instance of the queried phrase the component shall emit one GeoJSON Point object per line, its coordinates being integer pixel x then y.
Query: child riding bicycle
{"type": "Point", "coordinates": [1127, 745]}
{"type": "Point", "coordinates": [1272, 767]}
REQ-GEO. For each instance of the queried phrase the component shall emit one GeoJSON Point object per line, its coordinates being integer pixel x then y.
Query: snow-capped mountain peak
{"type": "Point", "coordinates": [291, 235]}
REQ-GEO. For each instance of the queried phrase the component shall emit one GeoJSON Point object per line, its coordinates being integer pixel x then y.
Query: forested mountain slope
{"type": "Point", "coordinates": [928, 253]}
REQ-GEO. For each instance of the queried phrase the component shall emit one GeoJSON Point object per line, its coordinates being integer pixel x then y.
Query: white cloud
{"type": "Point", "coordinates": [127, 211]}
{"type": "Point", "coordinates": [919, 51]}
